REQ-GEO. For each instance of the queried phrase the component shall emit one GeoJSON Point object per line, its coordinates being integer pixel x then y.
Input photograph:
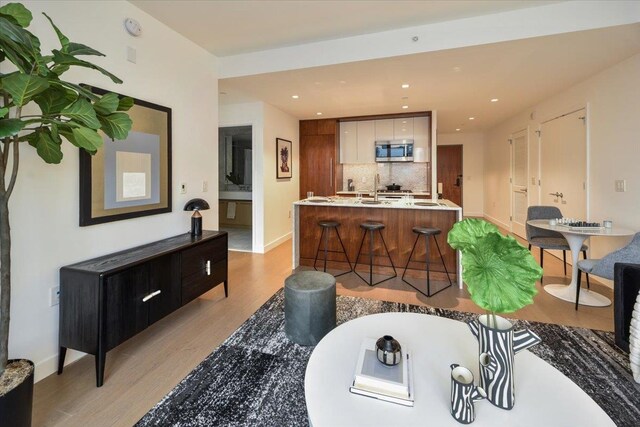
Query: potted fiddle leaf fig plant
{"type": "Point", "coordinates": [501, 276]}
{"type": "Point", "coordinates": [39, 109]}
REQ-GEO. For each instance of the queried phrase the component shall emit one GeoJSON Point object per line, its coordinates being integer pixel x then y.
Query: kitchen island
{"type": "Point", "coordinates": [399, 217]}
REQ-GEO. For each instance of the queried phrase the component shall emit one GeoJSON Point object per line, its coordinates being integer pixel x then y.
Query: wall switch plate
{"type": "Point", "coordinates": [183, 188]}
{"type": "Point", "coordinates": [132, 55]}
{"type": "Point", "coordinates": [621, 185]}
{"type": "Point", "coordinates": [205, 186]}
{"type": "Point", "coordinates": [54, 296]}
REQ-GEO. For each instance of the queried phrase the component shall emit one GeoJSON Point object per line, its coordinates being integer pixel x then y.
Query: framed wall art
{"type": "Point", "coordinates": [129, 178]}
{"type": "Point", "coordinates": [284, 159]}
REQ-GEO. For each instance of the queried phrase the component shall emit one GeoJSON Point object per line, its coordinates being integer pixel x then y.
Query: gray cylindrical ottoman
{"type": "Point", "coordinates": [309, 306]}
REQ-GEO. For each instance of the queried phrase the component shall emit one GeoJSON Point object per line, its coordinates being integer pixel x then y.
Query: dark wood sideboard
{"type": "Point", "coordinates": [107, 300]}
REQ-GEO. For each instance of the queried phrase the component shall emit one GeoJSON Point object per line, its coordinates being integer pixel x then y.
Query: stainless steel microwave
{"type": "Point", "coordinates": [400, 150]}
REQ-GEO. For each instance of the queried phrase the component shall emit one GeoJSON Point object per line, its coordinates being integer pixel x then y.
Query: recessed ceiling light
{"type": "Point", "coordinates": [494, 100]}
{"type": "Point", "coordinates": [404, 107]}
{"type": "Point", "coordinates": [457, 69]}
{"type": "Point", "coordinates": [318, 113]}
{"type": "Point", "coordinates": [295, 96]}
{"type": "Point", "coordinates": [457, 129]}
{"type": "Point", "coordinates": [404, 121]}
{"type": "Point", "coordinates": [405, 85]}
{"type": "Point", "coordinates": [342, 82]}
{"type": "Point", "coordinates": [472, 118]}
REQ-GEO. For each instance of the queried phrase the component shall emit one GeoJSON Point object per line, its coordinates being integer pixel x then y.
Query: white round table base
{"type": "Point", "coordinates": [587, 297]}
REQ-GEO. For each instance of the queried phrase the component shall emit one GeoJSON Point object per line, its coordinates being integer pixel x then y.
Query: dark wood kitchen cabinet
{"type": "Point", "coordinates": [107, 300]}
{"type": "Point", "coordinates": [318, 157]}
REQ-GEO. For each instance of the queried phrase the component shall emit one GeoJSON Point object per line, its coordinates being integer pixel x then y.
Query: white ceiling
{"type": "Point", "coordinates": [232, 27]}
{"type": "Point", "coordinates": [458, 83]}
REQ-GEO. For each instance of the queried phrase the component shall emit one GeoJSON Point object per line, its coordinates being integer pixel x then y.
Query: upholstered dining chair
{"type": "Point", "coordinates": [604, 267]}
{"type": "Point", "coordinates": [547, 239]}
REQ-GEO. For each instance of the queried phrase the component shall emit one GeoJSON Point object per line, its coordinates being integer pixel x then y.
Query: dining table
{"type": "Point", "coordinates": [575, 237]}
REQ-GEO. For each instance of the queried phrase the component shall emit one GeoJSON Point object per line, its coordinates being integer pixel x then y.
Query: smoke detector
{"type": "Point", "coordinates": [133, 27]}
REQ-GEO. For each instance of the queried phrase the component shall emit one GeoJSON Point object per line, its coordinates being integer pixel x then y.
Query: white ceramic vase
{"type": "Point", "coordinates": [634, 340]}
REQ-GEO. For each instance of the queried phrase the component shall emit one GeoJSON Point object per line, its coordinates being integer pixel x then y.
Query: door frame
{"type": "Point", "coordinates": [511, 177]}
{"type": "Point", "coordinates": [257, 192]}
{"type": "Point", "coordinates": [587, 128]}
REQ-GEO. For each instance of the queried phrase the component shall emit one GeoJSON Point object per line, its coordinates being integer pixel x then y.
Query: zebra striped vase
{"type": "Point", "coordinates": [498, 345]}
{"type": "Point", "coordinates": [463, 394]}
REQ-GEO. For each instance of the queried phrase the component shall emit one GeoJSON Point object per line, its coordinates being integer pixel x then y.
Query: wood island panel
{"type": "Point", "coordinates": [397, 233]}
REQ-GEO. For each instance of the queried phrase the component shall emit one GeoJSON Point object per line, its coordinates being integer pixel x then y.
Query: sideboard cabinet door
{"type": "Point", "coordinates": [164, 276]}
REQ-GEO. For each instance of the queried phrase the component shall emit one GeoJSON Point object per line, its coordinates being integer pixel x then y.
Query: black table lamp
{"type": "Point", "coordinates": [196, 205]}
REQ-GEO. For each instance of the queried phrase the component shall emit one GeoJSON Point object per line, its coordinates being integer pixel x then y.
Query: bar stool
{"type": "Point", "coordinates": [327, 226]}
{"type": "Point", "coordinates": [426, 232]}
{"type": "Point", "coordinates": [372, 227]}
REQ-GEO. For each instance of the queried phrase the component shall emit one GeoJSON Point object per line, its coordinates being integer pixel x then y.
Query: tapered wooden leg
{"type": "Point", "coordinates": [541, 263]}
{"type": "Point", "coordinates": [584, 256]}
{"type": "Point", "coordinates": [226, 288]}
{"type": "Point", "coordinates": [564, 260]}
{"type": "Point", "coordinates": [578, 288]}
{"type": "Point", "coordinates": [101, 359]}
{"type": "Point", "coordinates": [61, 356]}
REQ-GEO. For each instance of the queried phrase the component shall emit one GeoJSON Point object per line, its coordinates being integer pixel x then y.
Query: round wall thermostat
{"type": "Point", "coordinates": [133, 27]}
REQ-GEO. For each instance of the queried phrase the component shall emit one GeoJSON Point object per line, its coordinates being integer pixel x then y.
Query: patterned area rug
{"type": "Point", "coordinates": [256, 377]}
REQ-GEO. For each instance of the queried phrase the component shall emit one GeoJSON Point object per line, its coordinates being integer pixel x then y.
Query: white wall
{"type": "Point", "coordinates": [472, 167]}
{"type": "Point", "coordinates": [170, 71]}
{"type": "Point", "coordinates": [272, 198]}
{"type": "Point", "coordinates": [612, 102]}
{"type": "Point", "coordinates": [279, 193]}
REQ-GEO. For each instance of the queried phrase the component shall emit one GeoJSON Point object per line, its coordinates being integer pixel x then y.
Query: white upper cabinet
{"type": "Point", "coordinates": [403, 128]}
{"type": "Point", "coordinates": [366, 141]}
{"type": "Point", "coordinates": [421, 139]}
{"type": "Point", "coordinates": [384, 130]}
{"type": "Point", "coordinates": [348, 142]}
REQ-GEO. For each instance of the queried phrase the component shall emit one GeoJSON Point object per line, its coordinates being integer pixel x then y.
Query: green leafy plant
{"type": "Point", "coordinates": [41, 109]}
{"type": "Point", "coordinates": [499, 272]}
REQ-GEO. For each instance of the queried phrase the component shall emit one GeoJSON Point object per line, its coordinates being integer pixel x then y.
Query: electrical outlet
{"type": "Point", "coordinates": [54, 296]}
{"type": "Point", "coordinates": [621, 185]}
{"type": "Point", "coordinates": [183, 188]}
{"type": "Point", "coordinates": [205, 186]}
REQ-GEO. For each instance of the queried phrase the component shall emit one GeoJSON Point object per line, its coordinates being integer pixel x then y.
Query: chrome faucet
{"type": "Point", "coordinates": [376, 183]}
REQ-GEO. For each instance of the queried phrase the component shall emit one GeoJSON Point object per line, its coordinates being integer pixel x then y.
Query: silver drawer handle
{"type": "Point", "coordinates": [151, 295]}
{"type": "Point", "coordinates": [208, 267]}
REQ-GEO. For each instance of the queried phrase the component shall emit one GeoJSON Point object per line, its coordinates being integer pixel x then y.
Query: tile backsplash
{"type": "Point", "coordinates": [411, 176]}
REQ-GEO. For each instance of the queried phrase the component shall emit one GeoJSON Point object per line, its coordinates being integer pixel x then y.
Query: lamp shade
{"type": "Point", "coordinates": [196, 205]}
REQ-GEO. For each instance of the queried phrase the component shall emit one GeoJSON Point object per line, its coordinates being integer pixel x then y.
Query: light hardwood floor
{"type": "Point", "coordinates": [145, 368]}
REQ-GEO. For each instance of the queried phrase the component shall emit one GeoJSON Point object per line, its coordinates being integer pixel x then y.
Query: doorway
{"type": "Point", "coordinates": [519, 142]}
{"type": "Point", "coordinates": [235, 183]}
{"type": "Point", "coordinates": [449, 172]}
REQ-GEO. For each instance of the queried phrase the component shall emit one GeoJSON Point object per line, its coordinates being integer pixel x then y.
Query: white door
{"type": "Point", "coordinates": [519, 173]}
{"type": "Point", "coordinates": [563, 164]}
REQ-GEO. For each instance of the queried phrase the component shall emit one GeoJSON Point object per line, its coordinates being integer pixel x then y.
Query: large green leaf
{"type": "Point", "coordinates": [64, 40]}
{"type": "Point", "coordinates": [18, 12]}
{"type": "Point", "coordinates": [125, 103]}
{"type": "Point", "coordinates": [10, 127]}
{"type": "Point", "coordinates": [107, 104]}
{"type": "Point", "coordinates": [3, 111]}
{"type": "Point", "coordinates": [500, 273]}
{"type": "Point", "coordinates": [80, 49]}
{"type": "Point", "coordinates": [54, 99]}
{"type": "Point", "coordinates": [82, 111]}
{"type": "Point", "coordinates": [467, 232]}
{"type": "Point", "coordinates": [47, 148]}
{"type": "Point", "coordinates": [83, 91]}
{"type": "Point", "coordinates": [62, 58]}
{"type": "Point", "coordinates": [18, 44]}
{"type": "Point", "coordinates": [86, 138]}
{"type": "Point", "coordinates": [116, 125]}
{"type": "Point", "coordinates": [23, 87]}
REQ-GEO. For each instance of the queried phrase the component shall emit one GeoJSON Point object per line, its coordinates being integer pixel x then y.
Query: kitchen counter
{"type": "Point", "coordinates": [399, 217]}
{"type": "Point", "coordinates": [370, 193]}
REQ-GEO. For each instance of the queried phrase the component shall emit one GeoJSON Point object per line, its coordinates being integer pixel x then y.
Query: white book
{"type": "Point", "coordinates": [374, 379]}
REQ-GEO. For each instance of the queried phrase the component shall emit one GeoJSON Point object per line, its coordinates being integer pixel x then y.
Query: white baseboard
{"type": "Point", "coordinates": [498, 222]}
{"type": "Point", "coordinates": [49, 365]}
{"type": "Point", "coordinates": [473, 214]}
{"type": "Point", "coordinates": [277, 242]}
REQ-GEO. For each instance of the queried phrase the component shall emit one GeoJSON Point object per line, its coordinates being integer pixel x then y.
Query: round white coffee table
{"type": "Point", "coordinates": [575, 238]}
{"type": "Point", "coordinates": [544, 397]}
